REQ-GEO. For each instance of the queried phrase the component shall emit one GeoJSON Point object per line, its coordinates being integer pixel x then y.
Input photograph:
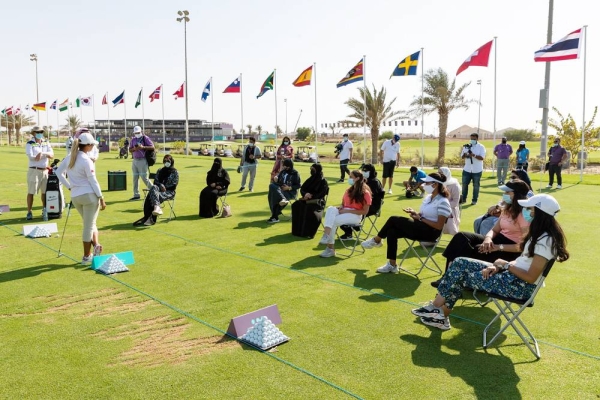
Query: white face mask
{"type": "Point", "coordinates": [138, 135]}
{"type": "Point", "coordinates": [473, 142]}
{"type": "Point", "coordinates": [345, 139]}
{"type": "Point", "coordinates": [167, 164]}
{"type": "Point", "coordinates": [366, 174]}
{"type": "Point", "coordinates": [428, 189]}
{"type": "Point", "coordinates": [350, 181]}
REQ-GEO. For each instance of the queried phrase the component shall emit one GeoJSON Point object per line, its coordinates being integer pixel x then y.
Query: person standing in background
{"type": "Point", "coordinates": [502, 152]}
{"type": "Point", "coordinates": [473, 154]}
{"type": "Point", "coordinates": [557, 155]}
{"type": "Point", "coordinates": [138, 147]}
{"type": "Point", "coordinates": [390, 157]}
{"type": "Point", "coordinates": [38, 152]}
{"type": "Point", "coordinates": [522, 156]}
{"type": "Point", "coordinates": [345, 156]}
{"type": "Point", "coordinates": [249, 162]}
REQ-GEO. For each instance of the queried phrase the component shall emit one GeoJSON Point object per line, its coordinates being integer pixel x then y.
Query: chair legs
{"type": "Point", "coordinates": [352, 244]}
{"type": "Point", "coordinates": [429, 250]}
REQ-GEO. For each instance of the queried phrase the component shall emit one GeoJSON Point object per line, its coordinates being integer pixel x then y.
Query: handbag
{"type": "Point", "coordinates": [150, 156]}
{"type": "Point", "coordinates": [226, 211]}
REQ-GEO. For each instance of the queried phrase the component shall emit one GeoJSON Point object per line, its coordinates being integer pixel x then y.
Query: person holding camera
{"type": "Point", "coordinates": [473, 153]}
{"type": "Point", "coordinates": [248, 163]}
{"type": "Point", "coordinates": [38, 152]}
{"type": "Point", "coordinates": [390, 157]}
{"type": "Point", "coordinates": [345, 155]}
{"type": "Point", "coordinates": [138, 147]}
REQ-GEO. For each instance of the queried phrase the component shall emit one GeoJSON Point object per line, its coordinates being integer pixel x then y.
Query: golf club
{"type": "Point", "coordinates": [70, 205]}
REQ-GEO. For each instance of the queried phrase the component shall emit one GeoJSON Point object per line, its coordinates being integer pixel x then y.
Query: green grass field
{"type": "Point", "coordinates": [157, 332]}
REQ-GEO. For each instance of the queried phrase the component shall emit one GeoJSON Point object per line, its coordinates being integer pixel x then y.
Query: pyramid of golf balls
{"type": "Point", "coordinates": [112, 266]}
{"type": "Point", "coordinates": [38, 232]}
{"type": "Point", "coordinates": [264, 334]}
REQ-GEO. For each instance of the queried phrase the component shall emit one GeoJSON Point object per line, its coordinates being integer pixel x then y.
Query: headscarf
{"type": "Point", "coordinates": [449, 179]}
{"type": "Point", "coordinates": [288, 163]}
{"type": "Point", "coordinates": [314, 181]}
{"type": "Point", "coordinates": [165, 172]}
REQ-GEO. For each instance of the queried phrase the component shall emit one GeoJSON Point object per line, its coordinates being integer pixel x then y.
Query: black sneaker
{"type": "Point", "coordinates": [442, 323]}
{"type": "Point", "coordinates": [428, 311]}
{"type": "Point", "coordinates": [346, 237]}
{"type": "Point", "coordinates": [241, 189]}
{"type": "Point", "coordinates": [341, 180]}
{"type": "Point", "coordinates": [134, 198]}
{"type": "Point", "coordinates": [435, 284]}
{"type": "Point", "coordinates": [272, 220]}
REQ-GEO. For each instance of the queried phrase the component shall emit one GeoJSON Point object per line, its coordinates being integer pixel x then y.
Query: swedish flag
{"type": "Point", "coordinates": [408, 66]}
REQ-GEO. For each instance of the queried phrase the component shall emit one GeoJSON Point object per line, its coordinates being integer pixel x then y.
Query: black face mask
{"type": "Point", "coordinates": [504, 142]}
{"type": "Point", "coordinates": [313, 172]}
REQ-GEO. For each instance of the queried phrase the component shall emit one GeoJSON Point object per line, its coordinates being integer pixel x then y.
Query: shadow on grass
{"type": "Point", "coordinates": [252, 194]}
{"type": "Point", "coordinates": [463, 361]}
{"type": "Point", "coordinates": [283, 238]}
{"type": "Point", "coordinates": [393, 286]}
{"type": "Point", "coordinates": [31, 272]}
{"type": "Point", "coordinates": [315, 262]}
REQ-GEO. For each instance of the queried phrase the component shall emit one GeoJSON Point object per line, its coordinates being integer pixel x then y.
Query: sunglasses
{"type": "Point", "coordinates": [514, 177]}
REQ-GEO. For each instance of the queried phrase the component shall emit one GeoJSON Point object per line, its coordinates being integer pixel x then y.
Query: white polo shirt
{"type": "Point", "coordinates": [476, 166]}
{"type": "Point", "coordinates": [434, 207]}
{"type": "Point", "coordinates": [32, 149]}
{"type": "Point", "coordinates": [390, 150]}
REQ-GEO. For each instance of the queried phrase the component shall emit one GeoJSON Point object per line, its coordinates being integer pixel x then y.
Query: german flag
{"type": "Point", "coordinates": [39, 106]}
{"type": "Point", "coordinates": [304, 78]}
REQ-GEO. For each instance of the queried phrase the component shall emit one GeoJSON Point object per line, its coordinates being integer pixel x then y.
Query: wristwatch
{"type": "Point", "coordinates": [501, 247]}
{"type": "Point", "coordinates": [505, 267]}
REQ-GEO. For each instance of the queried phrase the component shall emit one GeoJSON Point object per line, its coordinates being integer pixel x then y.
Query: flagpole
{"type": "Point", "coordinates": [495, 95]}
{"type": "Point", "coordinates": [48, 125]}
{"type": "Point", "coordinates": [545, 99]}
{"type": "Point", "coordinates": [212, 112]}
{"type": "Point", "coordinates": [583, 124]}
{"type": "Point", "coordinates": [162, 97]}
{"type": "Point", "coordinates": [142, 101]}
{"type": "Point", "coordinates": [94, 115]}
{"type": "Point", "coordinates": [80, 110]}
{"type": "Point", "coordinates": [57, 121]}
{"type": "Point", "coordinates": [108, 116]}
{"type": "Point", "coordinates": [242, 108]}
{"type": "Point", "coordinates": [125, 115]}
{"type": "Point", "coordinates": [275, 90]}
{"type": "Point", "coordinates": [422, 105]}
{"type": "Point", "coordinates": [316, 131]}
{"type": "Point", "coordinates": [365, 109]}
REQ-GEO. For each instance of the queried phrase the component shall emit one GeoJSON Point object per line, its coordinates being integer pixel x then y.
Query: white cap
{"type": "Point", "coordinates": [522, 142]}
{"type": "Point", "coordinates": [544, 202]}
{"type": "Point", "coordinates": [137, 129]}
{"type": "Point", "coordinates": [87, 138]}
{"type": "Point", "coordinates": [431, 179]}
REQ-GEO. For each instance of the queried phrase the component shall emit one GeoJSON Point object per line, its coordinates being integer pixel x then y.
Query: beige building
{"type": "Point", "coordinates": [465, 131]}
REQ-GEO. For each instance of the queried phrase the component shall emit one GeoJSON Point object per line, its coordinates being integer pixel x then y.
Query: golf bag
{"type": "Point", "coordinates": [55, 199]}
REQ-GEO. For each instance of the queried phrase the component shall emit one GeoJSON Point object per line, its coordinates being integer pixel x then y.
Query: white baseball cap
{"type": "Point", "coordinates": [87, 138]}
{"type": "Point", "coordinates": [431, 179]}
{"type": "Point", "coordinates": [544, 202]}
{"type": "Point", "coordinates": [137, 129]}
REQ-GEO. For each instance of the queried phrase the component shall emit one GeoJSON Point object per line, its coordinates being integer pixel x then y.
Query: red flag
{"type": "Point", "coordinates": [104, 101]}
{"type": "Point", "coordinates": [179, 93]}
{"type": "Point", "coordinates": [479, 58]}
{"type": "Point", "coordinates": [156, 94]}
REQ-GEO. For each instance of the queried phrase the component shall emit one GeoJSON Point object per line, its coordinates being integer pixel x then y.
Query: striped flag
{"type": "Point", "coordinates": [63, 106]}
{"type": "Point", "coordinates": [156, 94]}
{"type": "Point", "coordinates": [566, 48]}
{"type": "Point", "coordinates": [304, 78]}
{"type": "Point", "coordinates": [120, 99]}
{"type": "Point", "coordinates": [104, 99]}
{"type": "Point", "coordinates": [53, 106]}
{"type": "Point", "coordinates": [39, 106]}
{"type": "Point", "coordinates": [354, 75]}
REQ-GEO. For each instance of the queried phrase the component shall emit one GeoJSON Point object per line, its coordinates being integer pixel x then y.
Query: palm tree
{"type": "Point", "coordinates": [259, 129]}
{"type": "Point", "coordinates": [14, 123]}
{"type": "Point", "coordinates": [73, 123]}
{"type": "Point", "coordinates": [441, 96]}
{"type": "Point", "coordinates": [378, 112]}
{"type": "Point", "coordinates": [249, 129]}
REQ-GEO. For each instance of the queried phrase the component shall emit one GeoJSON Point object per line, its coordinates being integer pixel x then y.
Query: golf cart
{"type": "Point", "coordinates": [306, 154]}
{"type": "Point", "coordinates": [269, 152]}
{"type": "Point", "coordinates": [204, 149]}
{"type": "Point", "coordinates": [223, 150]}
{"type": "Point", "coordinates": [239, 153]}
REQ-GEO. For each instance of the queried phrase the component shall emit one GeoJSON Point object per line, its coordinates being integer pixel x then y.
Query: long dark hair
{"type": "Point", "coordinates": [441, 188]}
{"type": "Point", "coordinates": [284, 139]}
{"type": "Point", "coordinates": [357, 191]}
{"type": "Point", "coordinates": [520, 189]}
{"type": "Point", "coordinates": [546, 224]}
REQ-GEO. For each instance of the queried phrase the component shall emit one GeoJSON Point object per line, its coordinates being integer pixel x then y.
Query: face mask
{"type": "Point", "coordinates": [251, 144]}
{"type": "Point", "coordinates": [555, 144]}
{"type": "Point", "coordinates": [506, 198]}
{"type": "Point", "coordinates": [286, 143]}
{"type": "Point", "coordinates": [345, 139]}
{"type": "Point", "coordinates": [366, 174]}
{"type": "Point", "coordinates": [167, 164]}
{"type": "Point", "coordinates": [350, 181]}
{"type": "Point", "coordinates": [473, 142]}
{"type": "Point", "coordinates": [527, 215]}
{"type": "Point", "coordinates": [428, 189]}
{"type": "Point", "coordinates": [313, 172]}
{"type": "Point", "coordinates": [138, 135]}
{"type": "Point", "coordinates": [39, 136]}
{"type": "Point", "coordinates": [504, 142]}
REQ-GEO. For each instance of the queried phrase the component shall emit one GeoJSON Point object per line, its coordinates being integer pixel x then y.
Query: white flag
{"type": "Point", "coordinates": [87, 101]}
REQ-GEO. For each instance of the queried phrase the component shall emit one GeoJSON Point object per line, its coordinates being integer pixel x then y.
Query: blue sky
{"type": "Point", "coordinates": [87, 48]}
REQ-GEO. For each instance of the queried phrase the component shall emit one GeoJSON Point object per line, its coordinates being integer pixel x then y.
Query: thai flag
{"type": "Point", "coordinates": [156, 94]}
{"type": "Point", "coordinates": [566, 48]}
{"type": "Point", "coordinates": [120, 99]}
{"type": "Point", "coordinates": [234, 87]}
{"type": "Point", "coordinates": [206, 92]}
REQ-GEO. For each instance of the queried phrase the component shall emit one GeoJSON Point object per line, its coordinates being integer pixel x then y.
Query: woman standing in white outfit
{"type": "Point", "coordinates": [86, 194]}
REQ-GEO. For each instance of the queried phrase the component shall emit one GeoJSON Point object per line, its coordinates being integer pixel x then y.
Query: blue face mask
{"type": "Point", "coordinates": [345, 139]}
{"type": "Point", "coordinates": [506, 198]}
{"type": "Point", "coordinates": [473, 142]}
{"type": "Point", "coordinates": [350, 181]}
{"type": "Point", "coordinates": [286, 143]}
{"type": "Point", "coordinates": [39, 136]}
{"type": "Point", "coordinates": [527, 215]}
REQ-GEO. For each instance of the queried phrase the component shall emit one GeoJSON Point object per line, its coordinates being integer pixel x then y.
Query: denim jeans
{"type": "Point", "coordinates": [466, 179]}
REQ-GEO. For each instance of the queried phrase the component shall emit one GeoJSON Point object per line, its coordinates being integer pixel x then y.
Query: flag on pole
{"type": "Point", "coordinates": [267, 85]}
{"type": "Point", "coordinates": [139, 99]}
{"type": "Point", "coordinates": [63, 106]}
{"type": "Point", "coordinates": [179, 92]}
{"type": "Point", "coordinates": [479, 58]}
{"type": "Point", "coordinates": [17, 111]}
{"type": "Point", "coordinates": [39, 106]}
{"type": "Point", "coordinates": [120, 99]}
{"type": "Point", "coordinates": [104, 100]}
{"type": "Point", "coordinates": [354, 75]}
{"type": "Point", "coordinates": [27, 108]}
{"type": "Point", "coordinates": [305, 77]}
{"type": "Point", "coordinates": [8, 111]}
{"type": "Point", "coordinates": [78, 102]}
{"type": "Point", "coordinates": [408, 66]}
{"type": "Point", "coordinates": [234, 87]}
{"type": "Point", "coordinates": [53, 106]}
{"type": "Point", "coordinates": [206, 92]}
{"type": "Point", "coordinates": [156, 94]}
{"type": "Point", "coordinates": [566, 48]}
{"type": "Point", "coordinates": [87, 101]}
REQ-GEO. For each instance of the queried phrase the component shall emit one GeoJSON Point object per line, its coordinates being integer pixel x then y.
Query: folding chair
{"type": "Point", "coordinates": [429, 249]}
{"type": "Point", "coordinates": [370, 221]}
{"type": "Point", "coordinates": [507, 308]}
{"type": "Point", "coordinates": [354, 243]}
{"type": "Point", "coordinates": [223, 200]}
{"type": "Point", "coordinates": [170, 201]}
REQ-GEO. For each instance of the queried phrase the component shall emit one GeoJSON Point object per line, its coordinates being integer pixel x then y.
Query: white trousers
{"type": "Point", "coordinates": [333, 219]}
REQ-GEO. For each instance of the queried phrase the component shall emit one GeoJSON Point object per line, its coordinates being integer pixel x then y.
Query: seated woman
{"type": "Point", "coordinates": [165, 183]}
{"type": "Point", "coordinates": [306, 212]}
{"type": "Point", "coordinates": [454, 189]}
{"type": "Point", "coordinates": [217, 182]}
{"type": "Point", "coordinates": [283, 189]}
{"type": "Point", "coordinates": [517, 279]}
{"type": "Point", "coordinates": [425, 226]}
{"type": "Point", "coordinates": [284, 152]}
{"type": "Point", "coordinates": [503, 239]}
{"type": "Point", "coordinates": [355, 204]}
{"type": "Point", "coordinates": [377, 194]}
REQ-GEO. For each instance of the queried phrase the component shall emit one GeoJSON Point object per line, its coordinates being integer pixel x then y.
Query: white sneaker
{"type": "Point", "coordinates": [549, 187]}
{"type": "Point", "coordinates": [390, 191]}
{"type": "Point", "coordinates": [98, 249]}
{"type": "Point", "coordinates": [283, 203]}
{"type": "Point", "coordinates": [328, 252]}
{"type": "Point", "coordinates": [429, 311]}
{"type": "Point", "coordinates": [157, 210]}
{"type": "Point", "coordinates": [369, 244]}
{"type": "Point", "coordinates": [559, 187]}
{"type": "Point", "coordinates": [87, 260]}
{"type": "Point", "coordinates": [325, 239]}
{"type": "Point", "coordinates": [388, 268]}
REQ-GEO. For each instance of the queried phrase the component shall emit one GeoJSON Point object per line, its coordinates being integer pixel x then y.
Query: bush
{"type": "Point", "coordinates": [177, 147]}
{"type": "Point", "coordinates": [386, 135]}
{"type": "Point", "coordinates": [303, 133]}
{"type": "Point", "coordinates": [517, 135]}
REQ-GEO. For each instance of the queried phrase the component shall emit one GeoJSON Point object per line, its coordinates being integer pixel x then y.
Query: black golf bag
{"type": "Point", "coordinates": [55, 200]}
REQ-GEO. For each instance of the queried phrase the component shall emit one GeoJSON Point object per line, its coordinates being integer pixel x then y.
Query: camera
{"type": "Point", "coordinates": [338, 148]}
{"type": "Point", "coordinates": [468, 146]}
{"type": "Point", "coordinates": [55, 162]}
